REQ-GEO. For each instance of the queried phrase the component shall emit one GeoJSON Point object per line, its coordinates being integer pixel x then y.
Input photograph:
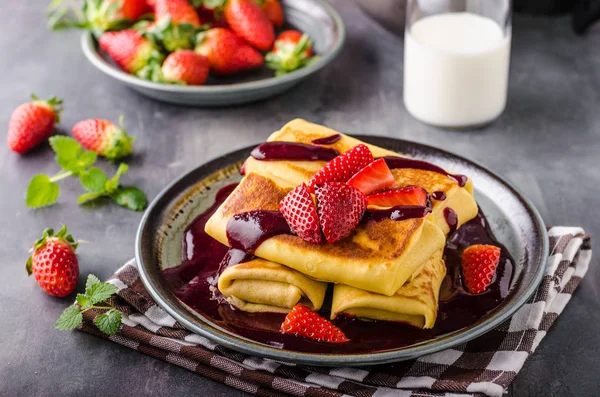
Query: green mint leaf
{"type": "Point", "coordinates": [84, 198]}
{"type": "Point", "coordinates": [91, 280]}
{"type": "Point", "coordinates": [41, 191]}
{"type": "Point", "coordinates": [78, 164]}
{"type": "Point", "coordinates": [65, 147]}
{"type": "Point", "coordinates": [69, 319]}
{"type": "Point", "coordinates": [109, 322]}
{"type": "Point", "coordinates": [100, 292]}
{"type": "Point", "coordinates": [83, 301]}
{"type": "Point", "coordinates": [93, 180]}
{"type": "Point", "coordinates": [130, 197]}
{"type": "Point", "coordinates": [113, 183]}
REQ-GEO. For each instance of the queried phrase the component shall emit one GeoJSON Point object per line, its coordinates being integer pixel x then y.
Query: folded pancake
{"type": "Point", "coordinates": [378, 256]}
{"type": "Point", "coordinates": [263, 286]}
{"type": "Point", "coordinates": [415, 303]}
{"type": "Point", "coordinates": [460, 199]}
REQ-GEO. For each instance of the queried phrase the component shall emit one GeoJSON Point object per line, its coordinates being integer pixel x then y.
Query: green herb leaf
{"type": "Point", "coordinates": [100, 292]}
{"type": "Point", "coordinates": [69, 319]}
{"type": "Point", "coordinates": [83, 301]}
{"type": "Point", "coordinates": [93, 180]}
{"type": "Point", "coordinates": [86, 197]}
{"type": "Point", "coordinates": [91, 280]}
{"type": "Point", "coordinates": [109, 322]}
{"type": "Point", "coordinates": [41, 192]}
{"type": "Point", "coordinates": [130, 197]}
{"type": "Point", "coordinates": [65, 147]}
{"type": "Point", "coordinates": [113, 183]}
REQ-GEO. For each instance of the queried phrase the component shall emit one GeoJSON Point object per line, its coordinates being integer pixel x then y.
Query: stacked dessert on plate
{"type": "Point", "coordinates": [319, 210]}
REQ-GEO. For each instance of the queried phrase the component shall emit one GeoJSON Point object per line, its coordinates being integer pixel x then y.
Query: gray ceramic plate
{"type": "Point", "coordinates": [513, 219]}
{"type": "Point", "coordinates": [314, 17]}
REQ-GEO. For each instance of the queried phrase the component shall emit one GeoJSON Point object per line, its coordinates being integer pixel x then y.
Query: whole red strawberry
{"type": "Point", "coordinates": [130, 51]}
{"type": "Point", "coordinates": [479, 263]}
{"type": "Point", "coordinates": [300, 212]}
{"type": "Point", "coordinates": [186, 67]}
{"type": "Point", "coordinates": [343, 167]}
{"type": "Point", "coordinates": [179, 11]}
{"type": "Point", "coordinates": [132, 9]}
{"type": "Point", "coordinates": [32, 123]}
{"type": "Point", "coordinates": [292, 51]}
{"type": "Point", "coordinates": [104, 137]}
{"type": "Point", "coordinates": [302, 321]}
{"type": "Point", "coordinates": [227, 53]}
{"type": "Point", "coordinates": [274, 12]}
{"type": "Point", "coordinates": [53, 262]}
{"type": "Point", "coordinates": [247, 20]}
{"type": "Point", "coordinates": [340, 209]}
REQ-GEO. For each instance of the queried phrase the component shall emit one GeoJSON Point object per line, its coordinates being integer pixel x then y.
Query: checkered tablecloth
{"type": "Point", "coordinates": [484, 366]}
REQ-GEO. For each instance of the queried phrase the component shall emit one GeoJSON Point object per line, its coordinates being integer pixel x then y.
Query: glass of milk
{"type": "Point", "coordinates": [456, 58]}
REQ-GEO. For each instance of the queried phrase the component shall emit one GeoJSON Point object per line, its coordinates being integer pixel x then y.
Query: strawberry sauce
{"type": "Point", "coordinates": [293, 151]}
{"type": "Point", "coordinates": [204, 258]}
{"type": "Point", "coordinates": [327, 140]}
{"type": "Point", "coordinates": [438, 195]}
{"type": "Point", "coordinates": [451, 218]}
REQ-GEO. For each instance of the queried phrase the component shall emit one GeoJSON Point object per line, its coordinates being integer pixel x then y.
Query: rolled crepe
{"type": "Point", "coordinates": [415, 303]}
{"type": "Point", "coordinates": [264, 286]}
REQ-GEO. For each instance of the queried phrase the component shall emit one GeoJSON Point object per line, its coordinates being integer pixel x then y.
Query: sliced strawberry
{"type": "Point", "coordinates": [479, 263]}
{"type": "Point", "coordinates": [341, 168]}
{"type": "Point", "coordinates": [408, 195]}
{"type": "Point", "coordinates": [302, 321]}
{"type": "Point", "coordinates": [375, 176]}
{"type": "Point", "coordinates": [300, 212]}
{"type": "Point", "coordinates": [340, 208]}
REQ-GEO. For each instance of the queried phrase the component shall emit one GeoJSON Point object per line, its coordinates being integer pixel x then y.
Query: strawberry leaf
{"type": "Point", "coordinates": [69, 319]}
{"type": "Point", "coordinates": [42, 191]}
{"type": "Point", "coordinates": [130, 197]}
{"type": "Point", "coordinates": [93, 180]}
{"type": "Point", "coordinates": [109, 322]}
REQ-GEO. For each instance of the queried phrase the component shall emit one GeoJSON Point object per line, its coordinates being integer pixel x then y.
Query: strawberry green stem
{"type": "Point", "coordinates": [61, 175]}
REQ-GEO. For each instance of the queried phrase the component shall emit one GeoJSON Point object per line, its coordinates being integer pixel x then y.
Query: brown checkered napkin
{"type": "Point", "coordinates": [484, 366]}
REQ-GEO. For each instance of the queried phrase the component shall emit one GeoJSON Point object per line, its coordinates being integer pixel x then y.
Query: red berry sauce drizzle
{"type": "Point", "coordinates": [327, 140]}
{"type": "Point", "coordinates": [204, 258]}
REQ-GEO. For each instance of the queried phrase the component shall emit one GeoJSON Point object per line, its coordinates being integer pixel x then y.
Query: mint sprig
{"type": "Point", "coordinates": [96, 292]}
{"type": "Point", "coordinates": [74, 160]}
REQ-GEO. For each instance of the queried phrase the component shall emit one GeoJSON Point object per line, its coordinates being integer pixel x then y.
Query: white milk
{"type": "Point", "coordinates": [456, 69]}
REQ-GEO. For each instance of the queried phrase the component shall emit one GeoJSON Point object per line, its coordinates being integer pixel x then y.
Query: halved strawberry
{"type": "Point", "coordinates": [302, 321]}
{"type": "Point", "coordinates": [375, 176]}
{"type": "Point", "coordinates": [341, 168]}
{"type": "Point", "coordinates": [300, 212]}
{"type": "Point", "coordinates": [340, 208]}
{"type": "Point", "coordinates": [479, 263]}
{"type": "Point", "coordinates": [408, 195]}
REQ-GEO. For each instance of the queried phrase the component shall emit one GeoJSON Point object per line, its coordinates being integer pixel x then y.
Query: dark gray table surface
{"type": "Point", "coordinates": [546, 142]}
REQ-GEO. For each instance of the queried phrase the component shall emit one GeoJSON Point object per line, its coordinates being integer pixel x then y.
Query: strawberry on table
{"type": "Point", "coordinates": [375, 176]}
{"type": "Point", "coordinates": [104, 137]}
{"type": "Point", "coordinates": [340, 209]}
{"type": "Point", "coordinates": [227, 53]}
{"type": "Point", "coordinates": [186, 67]}
{"type": "Point", "coordinates": [247, 20]}
{"type": "Point", "coordinates": [53, 262]}
{"type": "Point", "coordinates": [343, 167]}
{"type": "Point", "coordinates": [479, 263]}
{"type": "Point", "coordinates": [178, 11]}
{"type": "Point", "coordinates": [302, 321]}
{"type": "Point", "coordinates": [130, 51]}
{"type": "Point", "coordinates": [292, 51]}
{"type": "Point", "coordinates": [408, 195]}
{"type": "Point", "coordinates": [32, 123]}
{"type": "Point", "coordinates": [300, 212]}
{"type": "Point", "coordinates": [274, 12]}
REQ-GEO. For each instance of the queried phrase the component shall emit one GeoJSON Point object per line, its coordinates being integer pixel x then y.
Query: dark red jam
{"type": "Point", "coordinates": [439, 195]}
{"type": "Point", "coordinates": [246, 231]}
{"type": "Point", "coordinates": [398, 213]}
{"type": "Point", "coordinates": [203, 258]}
{"type": "Point", "coordinates": [327, 140]}
{"type": "Point", "coordinates": [451, 219]}
{"type": "Point", "coordinates": [405, 162]}
{"type": "Point", "coordinates": [293, 151]}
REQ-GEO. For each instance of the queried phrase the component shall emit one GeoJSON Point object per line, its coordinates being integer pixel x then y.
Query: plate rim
{"type": "Point", "coordinates": [340, 359]}
{"type": "Point", "coordinates": [89, 50]}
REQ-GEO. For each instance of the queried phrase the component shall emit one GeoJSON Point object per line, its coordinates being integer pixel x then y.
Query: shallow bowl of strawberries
{"type": "Point", "coordinates": [213, 52]}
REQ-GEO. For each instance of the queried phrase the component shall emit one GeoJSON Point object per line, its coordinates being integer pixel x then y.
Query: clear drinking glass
{"type": "Point", "coordinates": [456, 61]}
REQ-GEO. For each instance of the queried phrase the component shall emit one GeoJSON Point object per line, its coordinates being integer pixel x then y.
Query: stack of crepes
{"type": "Point", "coordinates": [388, 270]}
